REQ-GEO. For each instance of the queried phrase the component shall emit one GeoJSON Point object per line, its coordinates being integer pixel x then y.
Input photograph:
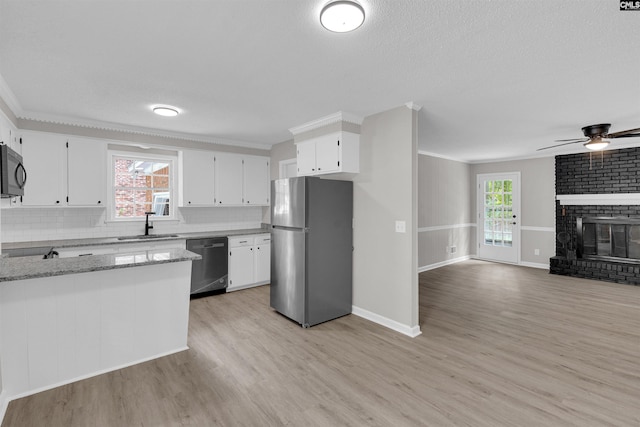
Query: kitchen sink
{"type": "Point", "coordinates": [149, 236]}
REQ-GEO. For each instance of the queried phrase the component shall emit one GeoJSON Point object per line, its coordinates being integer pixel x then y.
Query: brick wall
{"type": "Point", "coordinates": [609, 172]}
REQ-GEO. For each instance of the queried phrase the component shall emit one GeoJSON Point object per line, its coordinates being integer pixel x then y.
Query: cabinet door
{"type": "Point", "coordinates": [197, 178]}
{"type": "Point", "coordinates": [87, 171]}
{"type": "Point", "coordinates": [327, 154]}
{"type": "Point", "coordinates": [228, 179]}
{"type": "Point", "coordinates": [306, 158]}
{"type": "Point", "coordinates": [44, 157]}
{"type": "Point", "coordinates": [256, 181]}
{"type": "Point", "coordinates": [263, 262]}
{"type": "Point", "coordinates": [240, 267]}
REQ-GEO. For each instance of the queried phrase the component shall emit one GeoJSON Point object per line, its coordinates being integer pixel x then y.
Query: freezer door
{"type": "Point", "coordinates": [288, 202]}
{"type": "Point", "coordinates": [288, 272]}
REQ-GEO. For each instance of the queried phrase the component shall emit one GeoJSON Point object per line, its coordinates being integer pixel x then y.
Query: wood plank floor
{"type": "Point", "coordinates": [501, 346]}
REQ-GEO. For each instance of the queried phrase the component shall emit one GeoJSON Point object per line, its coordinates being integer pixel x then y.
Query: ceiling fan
{"type": "Point", "coordinates": [596, 137]}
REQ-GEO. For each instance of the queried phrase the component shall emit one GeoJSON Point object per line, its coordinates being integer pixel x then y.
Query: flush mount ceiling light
{"type": "Point", "coordinates": [165, 111]}
{"type": "Point", "coordinates": [597, 143]}
{"type": "Point", "coordinates": [342, 16]}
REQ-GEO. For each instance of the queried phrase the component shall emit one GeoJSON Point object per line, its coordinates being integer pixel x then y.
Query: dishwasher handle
{"type": "Point", "coordinates": [213, 245]}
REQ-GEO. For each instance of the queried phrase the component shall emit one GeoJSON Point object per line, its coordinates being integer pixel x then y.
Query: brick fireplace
{"type": "Point", "coordinates": [598, 216]}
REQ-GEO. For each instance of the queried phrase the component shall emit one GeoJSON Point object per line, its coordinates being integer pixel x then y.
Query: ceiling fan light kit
{"type": "Point", "coordinates": [597, 143]}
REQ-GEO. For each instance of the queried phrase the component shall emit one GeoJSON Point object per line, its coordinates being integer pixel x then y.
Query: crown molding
{"type": "Point", "coordinates": [9, 97]}
{"type": "Point", "coordinates": [340, 116]}
{"type": "Point", "coordinates": [413, 106]}
{"type": "Point", "coordinates": [114, 127]}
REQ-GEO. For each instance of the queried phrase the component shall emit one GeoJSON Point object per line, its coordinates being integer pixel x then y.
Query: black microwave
{"type": "Point", "coordinates": [13, 175]}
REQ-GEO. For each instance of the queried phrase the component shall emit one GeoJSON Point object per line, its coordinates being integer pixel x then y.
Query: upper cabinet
{"type": "Point", "coordinates": [228, 172]}
{"type": "Point", "coordinates": [223, 179]}
{"type": "Point", "coordinates": [63, 171]}
{"type": "Point", "coordinates": [255, 181]}
{"type": "Point", "coordinates": [44, 158]}
{"type": "Point", "coordinates": [332, 153]}
{"type": "Point", "coordinates": [86, 172]}
{"type": "Point", "coordinates": [197, 178]}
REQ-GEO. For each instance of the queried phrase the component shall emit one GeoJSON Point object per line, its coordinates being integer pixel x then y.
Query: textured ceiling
{"type": "Point", "coordinates": [496, 79]}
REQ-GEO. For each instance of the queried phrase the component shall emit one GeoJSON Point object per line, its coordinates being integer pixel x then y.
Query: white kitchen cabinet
{"type": "Point", "coordinates": [86, 172]}
{"type": "Point", "coordinates": [255, 181]}
{"type": "Point", "coordinates": [63, 171]}
{"type": "Point", "coordinates": [44, 158]}
{"type": "Point", "coordinates": [249, 261]}
{"type": "Point", "coordinates": [197, 178]}
{"type": "Point", "coordinates": [262, 257]}
{"type": "Point", "coordinates": [241, 261]}
{"type": "Point", "coordinates": [228, 179]}
{"type": "Point", "coordinates": [333, 153]}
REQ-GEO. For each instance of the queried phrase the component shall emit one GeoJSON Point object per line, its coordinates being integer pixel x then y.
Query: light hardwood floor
{"type": "Point", "coordinates": [501, 346]}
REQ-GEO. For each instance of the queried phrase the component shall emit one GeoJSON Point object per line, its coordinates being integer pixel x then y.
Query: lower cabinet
{"type": "Point", "coordinates": [249, 261]}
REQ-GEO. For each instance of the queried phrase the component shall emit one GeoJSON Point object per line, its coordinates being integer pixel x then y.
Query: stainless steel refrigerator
{"type": "Point", "coordinates": [311, 248]}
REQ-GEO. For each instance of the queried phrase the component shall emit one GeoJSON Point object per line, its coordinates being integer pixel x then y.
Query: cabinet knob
{"type": "Point", "coordinates": [319, 169]}
{"type": "Point", "coordinates": [312, 169]}
{"type": "Point", "coordinates": [99, 202]}
{"type": "Point", "coordinates": [189, 201]}
{"type": "Point", "coordinates": [57, 201]}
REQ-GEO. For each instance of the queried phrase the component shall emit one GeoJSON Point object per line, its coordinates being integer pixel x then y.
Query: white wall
{"type": "Point", "coordinates": [445, 222]}
{"type": "Point", "coordinates": [385, 280]}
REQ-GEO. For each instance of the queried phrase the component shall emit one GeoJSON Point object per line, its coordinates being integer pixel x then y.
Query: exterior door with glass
{"type": "Point", "coordinates": [499, 217]}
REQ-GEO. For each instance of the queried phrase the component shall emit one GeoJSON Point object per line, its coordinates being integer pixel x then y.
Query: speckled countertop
{"type": "Point", "coordinates": [31, 267]}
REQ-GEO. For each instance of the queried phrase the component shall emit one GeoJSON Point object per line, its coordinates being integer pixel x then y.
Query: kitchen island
{"type": "Point", "coordinates": [62, 320]}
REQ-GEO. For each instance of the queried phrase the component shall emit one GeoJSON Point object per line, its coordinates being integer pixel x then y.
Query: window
{"type": "Point", "coordinates": [498, 213]}
{"type": "Point", "coordinates": [141, 185]}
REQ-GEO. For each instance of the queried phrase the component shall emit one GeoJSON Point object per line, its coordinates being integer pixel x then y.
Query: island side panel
{"type": "Point", "coordinates": [59, 329]}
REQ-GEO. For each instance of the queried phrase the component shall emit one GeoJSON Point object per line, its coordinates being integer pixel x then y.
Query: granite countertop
{"type": "Point", "coordinates": [31, 267]}
{"type": "Point", "coordinates": [68, 243]}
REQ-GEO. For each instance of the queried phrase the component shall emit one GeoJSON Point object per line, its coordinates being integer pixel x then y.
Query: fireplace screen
{"type": "Point", "coordinates": [609, 238]}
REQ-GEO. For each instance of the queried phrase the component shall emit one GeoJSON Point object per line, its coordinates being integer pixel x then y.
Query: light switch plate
{"type": "Point", "coordinates": [401, 227]}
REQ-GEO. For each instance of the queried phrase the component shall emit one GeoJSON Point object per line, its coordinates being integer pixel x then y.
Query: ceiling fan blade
{"type": "Point", "coordinates": [626, 135]}
{"type": "Point", "coordinates": [560, 145]}
{"type": "Point", "coordinates": [623, 132]}
{"type": "Point", "coordinates": [572, 140]}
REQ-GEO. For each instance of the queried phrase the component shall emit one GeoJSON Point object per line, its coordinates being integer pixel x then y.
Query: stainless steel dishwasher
{"type": "Point", "coordinates": [209, 273]}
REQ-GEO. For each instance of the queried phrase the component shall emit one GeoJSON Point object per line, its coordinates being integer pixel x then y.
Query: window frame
{"type": "Point", "coordinates": [173, 191]}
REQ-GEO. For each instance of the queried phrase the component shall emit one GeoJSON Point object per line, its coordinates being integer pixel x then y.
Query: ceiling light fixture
{"type": "Point", "coordinates": [597, 143]}
{"type": "Point", "coordinates": [342, 16]}
{"type": "Point", "coordinates": [165, 111]}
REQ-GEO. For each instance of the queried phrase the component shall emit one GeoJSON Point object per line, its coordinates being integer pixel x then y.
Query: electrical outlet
{"type": "Point", "coordinates": [453, 249]}
{"type": "Point", "coordinates": [536, 251]}
{"type": "Point", "coordinates": [401, 227]}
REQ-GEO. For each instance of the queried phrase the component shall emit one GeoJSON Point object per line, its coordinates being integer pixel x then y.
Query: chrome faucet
{"type": "Point", "coordinates": [147, 227]}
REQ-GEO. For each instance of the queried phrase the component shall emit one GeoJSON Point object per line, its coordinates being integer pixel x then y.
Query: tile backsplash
{"type": "Point", "coordinates": [28, 225]}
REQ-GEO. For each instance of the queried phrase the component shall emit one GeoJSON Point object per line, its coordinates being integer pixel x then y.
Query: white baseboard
{"type": "Point", "coordinates": [534, 265]}
{"type": "Point", "coordinates": [411, 331]}
{"type": "Point", "coordinates": [443, 263]}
